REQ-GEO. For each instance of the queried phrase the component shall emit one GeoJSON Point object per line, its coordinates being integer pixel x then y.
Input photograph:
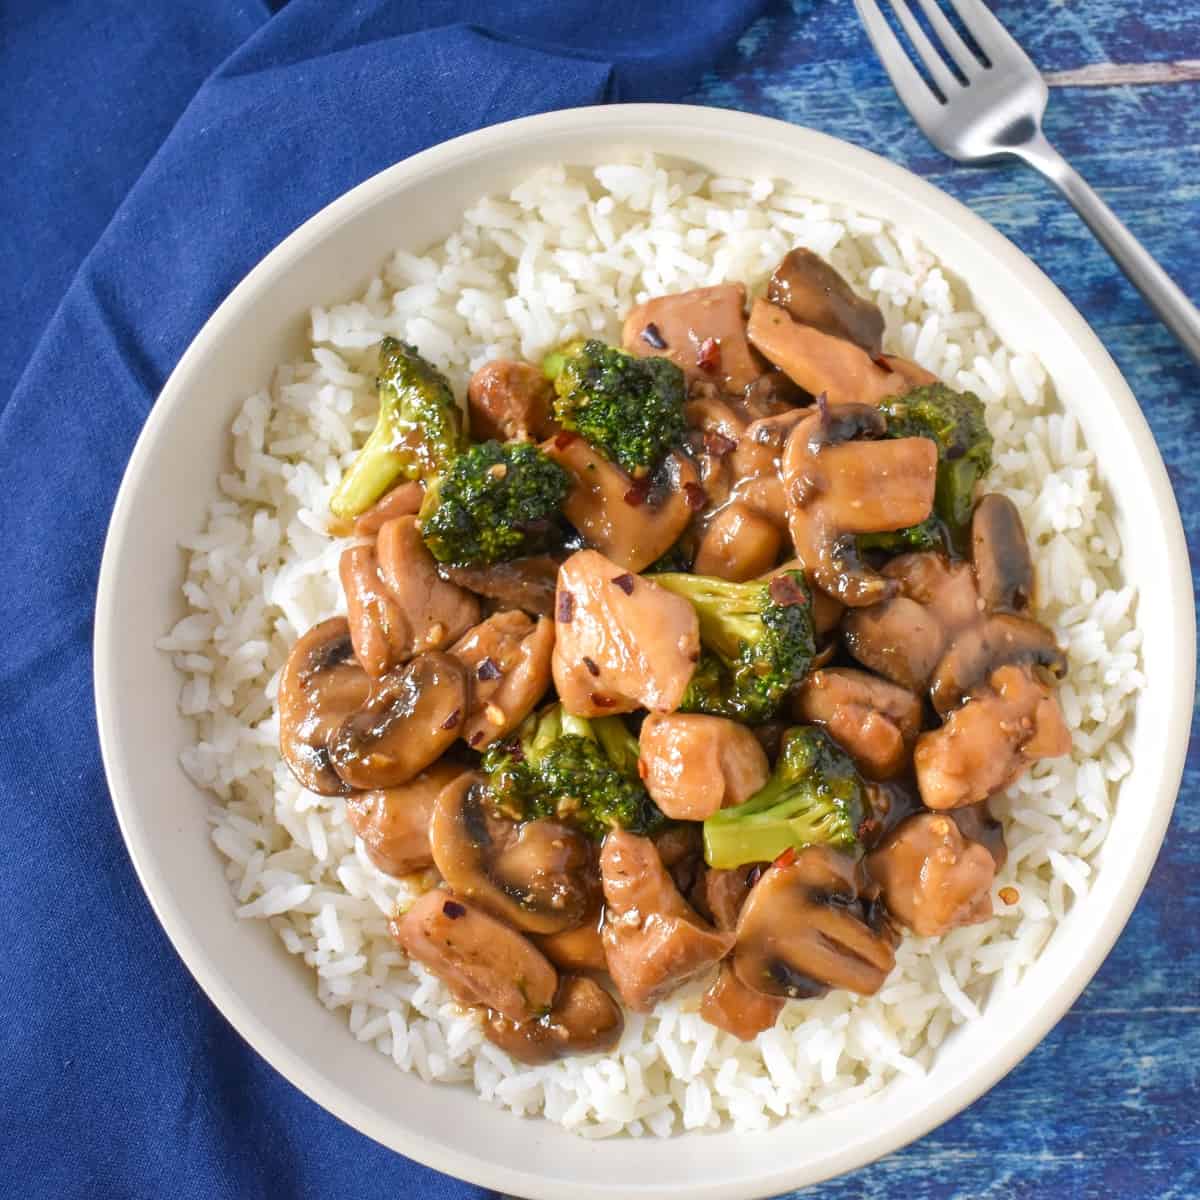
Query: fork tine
{"type": "Point", "coordinates": [913, 91]}
{"type": "Point", "coordinates": [993, 39]}
{"type": "Point", "coordinates": [934, 63]}
{"type": "Point", "coordinates": [963, 55]}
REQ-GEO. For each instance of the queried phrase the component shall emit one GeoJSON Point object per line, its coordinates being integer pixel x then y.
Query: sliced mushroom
{"type": "Point", "coordinates": [621, 641]}
{"type": "Point", "coordinates": [821, 363]}
{"type": "Point", "coordinates": [397, 603]}
{"type": "Point", "coordinates": [813, 293]}
{"type": "Point", "coordinates": [976, 823]}
{"type": "Point", "coordinates": [1004, 726]}
{"type": "Point", "coordinates": [933, 879]}
{"type": "Point", "coordinates": [404, 500]}
{"type": "Point", "coordinates": [975, 652]}
{"type": "Point", "coordinates": [321, 685]}
{"type": "Point", "coordinates": [805, 927]}
{"type": "Point", "coordinates": [585, 1019]}
{"type": "Point", "coordinates": [653, 940]}
{"type": "Point", "coordinates": [694, 765]}
{"type": "Point", "coordinates": [411, 718]}
{"type": "Point", "coordinates": [394, 822]}
{"type": "Point", "coordinates": [874, 721]}
{"type": "Point", "coordinates": [536, 875]}
{"type": "Point", "coordinates": [632, 523]}
{"type": "Point", "coordinates": [509, 401]}
{"type": "Point", "coordinates": [703, 332]}
{"type": "Point", "coordinates": [507, 658]}
{"type": "Point", "coordinates": [1000, 555]}
{"type": "Point", "coordinates": [757, 463]}
{"type": "Point", "coordinates": [737, 544]}
{"type": "Point", "coordinates": [524, 583]}
{"type": "Point", "coordinates": [578, 949]}
{"type": "Point", "coordinates": [837, 489]}
{"type": "Point", "coordinates": [482, 960]}
{"type": "Point", "coordinates": [937, 634]}
{"type": "Point", "coordinates": [771, 393]}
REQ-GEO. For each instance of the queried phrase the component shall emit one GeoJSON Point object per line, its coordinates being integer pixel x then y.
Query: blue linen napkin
{"type": "Point", "coordinates": [156, 152]}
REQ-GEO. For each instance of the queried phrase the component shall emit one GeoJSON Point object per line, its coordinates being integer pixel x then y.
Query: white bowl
{"type": "Point", "coordinates": [269, 996]}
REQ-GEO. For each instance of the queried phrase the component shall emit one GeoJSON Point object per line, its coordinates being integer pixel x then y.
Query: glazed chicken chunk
{"type": "Point", "coordinates": [622, 642]}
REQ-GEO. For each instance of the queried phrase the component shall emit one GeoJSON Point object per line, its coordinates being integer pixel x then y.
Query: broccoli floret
{"type": "Point", "coordinates": [572, 769]}
{"type": "Point", "coordinates": [814, 796]}
{"type": "Point", "coordinates": [630, 409]}
{"type": "Point", "coordinates": [418, 432]}
{"type": "Point", "coordinates": [930, 534]}
{"type": "Point", "coordinates": [955, 422]}
{"type": "Point", "coordinates": [678, 558]}
{"type": "Point", "coordinates": [495, 502]}
{"type": "Point", "coordinates": [757, 640]}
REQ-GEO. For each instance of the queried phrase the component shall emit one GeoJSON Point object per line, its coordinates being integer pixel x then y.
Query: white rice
{"type": "Point", "coordinates": [566, 254]}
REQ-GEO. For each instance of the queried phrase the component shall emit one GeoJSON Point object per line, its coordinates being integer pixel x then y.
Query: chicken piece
{"type": "Point", "coordinates": [521, 583]}
{"type": "Point", "coordinates": [838, 487]}
{"type": "Point", "coordinates": [653, 940]}
{"type": "Point", "coordinates": [806, 927]}
{"type": "Point", "coordinates": [507, 658]}
{"type": "Point", "coordinates": [394, 822]}
{"type": "Point", "coordinates": [813, 293]}
{"type": "Point", "coordinates": [482, 960]}
{"type": "Point", "coordinates": [821, 363]}
{"type": "Point", "coordinates": [633, 523]}
{"type": "Point", "coordinates": [874, 721]}
{"type": "Point", "coordinates": [578, 949]}
{"type": "Point", "coordinates": [396, 602]}
{"type": "Point", "coordinates": [694, 765]}
{"type": "Point", "coordinates": [737, 544]}
{"type": "Point", "coordinates": [585, 1019]}
{"type": "Point", "coordinates": [725, 892]}
{"type": "Point", "coordinates": [1002, 729]}
{"type": "Point", "coordinates": [403, 500]}
{"type": "Point", "coordinates": [510, 401]}
{"type": "Point", "coordinates": [621, 641]}
{"type": "Point", "coordinates": [703, 332]}
{"type": "Point", "coordinates": [933, 879]}
{"type": "Point", "coordinates": [732, 1006]}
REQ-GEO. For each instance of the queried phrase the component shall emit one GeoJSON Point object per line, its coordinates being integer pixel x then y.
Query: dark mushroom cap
{"type": "Point", "coordinates": [585, 1019]}
{"type": "Point", "coordinates": [537, 875]}
{"type": "Point", "coordinates": [412, 716]}
{"type": "Point", "coordinates": [805, 928]}
{"type": "Point", "coordinates": [1000, 555]}
{"type": "Point", "coordinates": [814, 294]}
{"type": "Point", "coordinates": [322, 684]}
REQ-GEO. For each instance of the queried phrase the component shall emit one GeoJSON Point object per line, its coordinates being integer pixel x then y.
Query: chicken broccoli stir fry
{"type": "Point", "coordinates": [700, 656]}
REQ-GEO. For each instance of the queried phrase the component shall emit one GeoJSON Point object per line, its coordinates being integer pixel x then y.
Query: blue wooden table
{"type": "Point", "coordinates": [1109, 1104]}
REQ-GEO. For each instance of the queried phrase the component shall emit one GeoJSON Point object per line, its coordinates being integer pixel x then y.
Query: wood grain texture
{"type": "Point", "coordinates": [1108, 1105]}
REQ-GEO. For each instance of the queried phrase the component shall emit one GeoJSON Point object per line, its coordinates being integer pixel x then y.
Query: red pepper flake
{"type": "Point", "coordinates": [786, 858]}
{"type": "Point", "coordinates": [643, 770]}
{"type": "Point", "coordinates": [882, 363]}
{"type": "Point", "coordinates": [602, 701]}
{"type": "Point", "coordinates": [718, 445]}
{"type": "Point", "coordinates": [454, 910]}
{"type": "Point", "coordinates": [867, 829]}
{"type": "Point", "coordinates": [564, 439]}
{"type": "Point", "coordinates": [475, 739]}
{"type": "Point", "coordinates": [591, 665]}
{"type": "Point", "coordinates": [625, 583]}
{"type": "Point", "coordinates": [708, 356]}
{"type": "Point", "coordinates": [637, 494]}
{"type": "Point", "coordinates": [653, 337]}
{"type": "Point", "coordinates": [566, 607]}
{"type": "Point", "coordinates": [785, 590]}
{"type": "Point", "coordinates": [488, 670]}
{"type": "Point", "coordinates": [453, 719]}
{"type": "Point", "coordinates": [694, 496]}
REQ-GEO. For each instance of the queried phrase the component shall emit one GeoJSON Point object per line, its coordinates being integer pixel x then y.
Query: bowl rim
{"type": "Point", "coordinates": [640, 121]}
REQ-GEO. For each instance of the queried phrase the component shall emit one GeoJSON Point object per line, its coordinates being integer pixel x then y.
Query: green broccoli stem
{"type": "Point", "coordinates": [372, 473]}
{"type": "Point", "coordinates": [770, 828]}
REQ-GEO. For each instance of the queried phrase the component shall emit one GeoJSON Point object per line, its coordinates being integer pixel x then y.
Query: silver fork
{"type": "Point", "coordinates": [995, 110]}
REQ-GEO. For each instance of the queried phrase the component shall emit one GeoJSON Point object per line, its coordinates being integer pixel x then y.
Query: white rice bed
{"type": "Point", "coordinates": [567, 254]}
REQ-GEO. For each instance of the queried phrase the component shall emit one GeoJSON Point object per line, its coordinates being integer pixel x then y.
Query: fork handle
{"type": "Point", "coordinates": [1161, 292]}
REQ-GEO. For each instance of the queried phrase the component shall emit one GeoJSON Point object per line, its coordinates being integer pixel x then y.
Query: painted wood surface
{"type": "Point", "coordinates": [1109, 1104]}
